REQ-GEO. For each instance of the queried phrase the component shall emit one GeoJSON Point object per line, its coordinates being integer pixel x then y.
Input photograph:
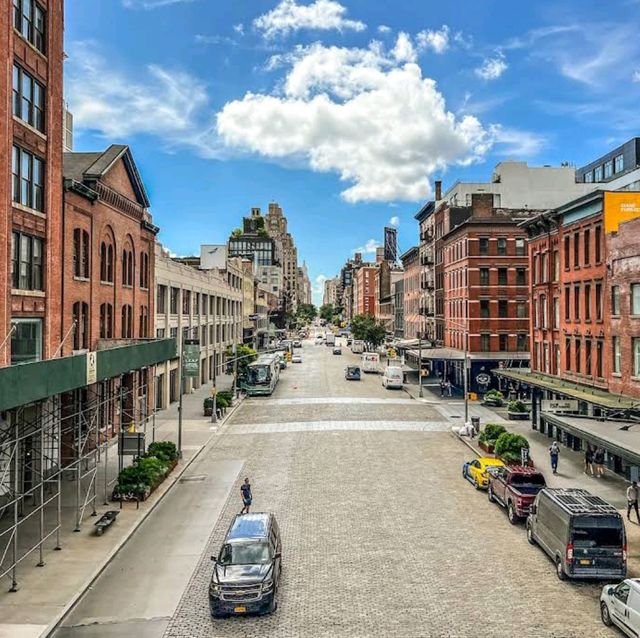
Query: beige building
{"type": "Point", "coordinates": [248, 305]}
{"type": "Point", "coordinates": [196, 304]}
{"type": "Point", "coordinates": [287, 254]}
{"type": "Point", "coordinates": [330, 296]}
{"type": "Point", "coordinates": [304, 284]}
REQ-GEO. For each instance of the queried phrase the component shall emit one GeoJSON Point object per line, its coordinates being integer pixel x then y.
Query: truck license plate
{"type": "Point", "coordinates": [240, 610]}
{"type": "Point", "coordinates": [584, 561]}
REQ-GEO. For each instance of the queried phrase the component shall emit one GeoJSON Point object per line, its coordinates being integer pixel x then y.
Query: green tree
{"type": "Point", "coordinates": [327, 312]}
{"type": "Point", "coordinates": [245, 355]}
{"type": "Point", "coordinates": [236, 232]}
{"type": "Point", "coordinates": [367, 329]}
{"type": "Point", "coordinates": [306, 312]}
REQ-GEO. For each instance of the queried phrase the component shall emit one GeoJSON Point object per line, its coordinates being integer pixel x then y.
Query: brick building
{"type": "Point", "coordinates": [411, 289]}
{"type": "Point", "coordinates": [364, 290]}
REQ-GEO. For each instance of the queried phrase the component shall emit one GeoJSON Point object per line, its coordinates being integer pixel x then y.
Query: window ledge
{"type": "Point", "coordinates": [81, 278]}
{"type": "Point", "coordinates": [616, 374]}
{"type": "Point", "coordinates": [28, 126]}
{"type": "Point", "coordinates": [28, 293]}
{"type": "Point", "coordinates": [127, 286]}
{"type": "Point", "coordinates": [29, 44]}
{"type": "Point", "coordinates": [31, 211]}
{"type": "Point", "coordinates": [107, 283]}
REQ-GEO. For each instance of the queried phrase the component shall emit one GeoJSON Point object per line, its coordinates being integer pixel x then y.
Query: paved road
{"type": "Point", "coordinates": [381, 535]}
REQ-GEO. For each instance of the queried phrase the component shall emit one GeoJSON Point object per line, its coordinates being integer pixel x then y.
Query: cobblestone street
{"type": "Point", "coordinates": [381, 535]}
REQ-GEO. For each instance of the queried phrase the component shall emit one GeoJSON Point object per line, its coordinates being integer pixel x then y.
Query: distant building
{"type": "Point", "coordinates": [411, 289]}
{"type": "Point", "coordinates": [364, 290]}
{"type": "Point", "coordinates": [276, 226]}
{"type": "Point", "coordinates": [619, 169]}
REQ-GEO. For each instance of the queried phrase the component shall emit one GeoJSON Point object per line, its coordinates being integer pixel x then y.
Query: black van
{"type": "Point", "coordinates": [582, 533]}
{"type": "Point", "coordinates": [246, 575]}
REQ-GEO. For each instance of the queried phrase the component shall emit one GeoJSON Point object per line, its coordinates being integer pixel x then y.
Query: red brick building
{"type": "Point", "coordinates": [364, 290]}
{"type": "Point", "coordinates": [31, 34]}
{"type": "Point", "coordinates": [412, 310]}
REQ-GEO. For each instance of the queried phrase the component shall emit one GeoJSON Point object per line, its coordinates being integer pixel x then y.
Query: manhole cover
{"type": "Point", "coordinates": [191, 479]}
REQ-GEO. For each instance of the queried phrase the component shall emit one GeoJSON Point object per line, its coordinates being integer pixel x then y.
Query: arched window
{"type": "Point", "coordinates": [144, 322]}
{"type": "Point", "coordinates": [127, 267]}
{"type": "Point", "coordinates": [144, 270]}
{"type": "Point", "coordinates": [106, 262]}
{"type": "Point", "coordinates": [106, 321]}
{"type": "Point", "coordinates": [81, 328]}
{"type": "Point", "coordinates": [127, 322]}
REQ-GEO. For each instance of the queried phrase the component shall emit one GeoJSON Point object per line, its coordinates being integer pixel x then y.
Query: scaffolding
{"type": "Point", "coordinates": [62, 440]}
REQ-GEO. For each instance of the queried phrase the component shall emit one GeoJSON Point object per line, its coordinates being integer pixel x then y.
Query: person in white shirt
{"type": "Point", "coordinates": [632, 500]}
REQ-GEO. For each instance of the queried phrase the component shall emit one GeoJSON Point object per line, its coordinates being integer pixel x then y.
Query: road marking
{"type": "Point", "coordinates": [328, 426]}
{"type": "Point", "coordinates": [350, 400]}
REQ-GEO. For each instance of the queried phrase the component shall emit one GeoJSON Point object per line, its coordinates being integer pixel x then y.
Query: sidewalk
{"type": "Point", "coordinates": [46, 593]}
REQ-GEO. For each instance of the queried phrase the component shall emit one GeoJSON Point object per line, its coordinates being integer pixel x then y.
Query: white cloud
{"type": "Point", "coordinates": [289, 17]}
{"type": "Point", "coordinates": [636, 75]}
{"type": "Point", "coordinates": [384, 29]}
{"type": "Point", "coordinates": [515, 143]}
{"type": "Point", "coordinates": [239, 28]}
{"type": "Point", "coordinates": [369, 248]}
{"type": "Point", "coordinates": [492, 68]}
{"type": "Point", "coordinates": [394, 221]}
{"type": "Point", "coordinates": [215, 39]}
{"type": "Point", "coordinates": [157, 101]}
{"type": "Point", "coordinates": [403, 50]}
{"type": "Point", "coordinates": [436, 41]}
{"type": "Point", "coordinates": [150, 4]}
{"type": "Point", "coordinates": [360, 113]}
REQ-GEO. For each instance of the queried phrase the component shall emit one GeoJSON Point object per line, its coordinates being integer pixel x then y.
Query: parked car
{"type": "Point", "coordinates": [582, 533]}
{"type": "Point", "coordinates": [620, 606]}
{"type": "Point", "coordinates": [352, 373]}
{"type": "Point", "coordinates": [392, 377]}
{"type": "Point", "coordinates": [477, 471]}
{"type": "Point", "coordinates": [297, 344]}
{"type": "Point", "coordinates": [337, 350]}
{"type": "Point", "coordinates": [296, 358]}
{"type": "Point", "coordinates": [247, 570]}
{"type": "Point", "coordinates": [515, 487]}
{"type": "Point", "coordinates": [319, 338]}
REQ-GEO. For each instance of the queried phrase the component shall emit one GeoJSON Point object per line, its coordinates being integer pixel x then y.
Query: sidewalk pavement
{"type": "Point", "coordinates": [47, 593]}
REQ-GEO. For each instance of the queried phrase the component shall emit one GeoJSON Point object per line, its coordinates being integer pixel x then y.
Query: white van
{"type": "Point", "coordinates": [392, 378]}
{"type": "Point", "coordinates": [370, 362]}
{"type": "Point", "coordinates": [620, 605]}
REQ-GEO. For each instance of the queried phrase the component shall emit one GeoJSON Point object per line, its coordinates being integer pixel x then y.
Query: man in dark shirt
{"type": "Point", "coordinates": [245, 491]}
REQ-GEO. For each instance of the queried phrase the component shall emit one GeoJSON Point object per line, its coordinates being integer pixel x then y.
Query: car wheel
{"type": "Point", "coordinates": [490, 495]}
{"type": "Point", "coordinates": [511, 513]}
{"type": "Point", "coordinates": [476, 484]}
{"type": "Point", "coordinates": [560, 569]}
{"type": "Point", "coordinates": [604, 613]}
{"type": "Point", "coordinates": [530, 537]}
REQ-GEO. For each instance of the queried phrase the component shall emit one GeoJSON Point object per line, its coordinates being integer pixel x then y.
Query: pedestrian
{"type": "Point", "coordinates": [588, 460]}
{"type": "Point", "coordinates": [442, 387]}
{"type": "Point", "coordinates": [245, 491]}
{"type": "Point", "coordinates": [632, 500]}
{"type": "Point", "coordinates": [448, 384]}
{"type": "Point", "coordinates": [554, 452]}
{"type": "Point", "coordinates": [598, 459]}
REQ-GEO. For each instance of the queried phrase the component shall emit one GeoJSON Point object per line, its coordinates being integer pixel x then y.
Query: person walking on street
{"type": "Point", "coordinates": [598, 459]}
{"type": "Point", "coordinates": [632, 500]}
{"type": "Point", "coordinates": [245, 491]}
{"type": "Point", "coordinates": [442, 387]}
{"type": "Point", "coordinates": [554, 452]}
{"type": "Point", "coordinates": [588, 460]}
{"type": "Point", "coordinates": [448, 384]}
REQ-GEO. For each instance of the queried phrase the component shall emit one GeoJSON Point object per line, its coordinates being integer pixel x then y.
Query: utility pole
{"type": "Point", "coordinates": [214, 392]}
{"type": "Point", "coordinates": [181, 390]}
{"type": "Point", "coordinates": [464, 370]}
{"type": "Point", "coordinates": [235, 369]}
{"type": "Point", "coordinates": [420, 364]}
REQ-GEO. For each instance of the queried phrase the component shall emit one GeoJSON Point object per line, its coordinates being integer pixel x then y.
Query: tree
{"type": "Point", "coordinates": [366, 328]}
{"type": "Point", "coordinates": [306, 312]}
{"type": "Point", "coordinates": [245, 356]}
{"type": "Point", "coordinates": [236, 232]}
{"type": "Point", "coordinates": [326, 312]}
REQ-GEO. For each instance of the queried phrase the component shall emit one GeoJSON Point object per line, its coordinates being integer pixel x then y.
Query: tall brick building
{"type": "Point", "coordinates": [364, 290]}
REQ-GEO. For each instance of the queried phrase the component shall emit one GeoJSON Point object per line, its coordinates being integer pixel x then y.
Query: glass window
{"type": "Point", "coordinates": [576, 250]}
{"type": "Point", "coordinates": [502, 246]}
{"type": "Point", "coordinates": [521, 309]}
{"type": "Point", "coordinates": [27, 262]}
{"type": "Point", "coordinates": [26, 341]}
{"type": "Point", "coordinates": [523, 342]}
{"type": "Point", "coordinates": [615, 300]}
{"type": "Point", "coordinates": [521, 277]}
{"type": "Point", "coordinates": [588, 177]}
{"type": "Point", "coordinates": [520, 246]}
{"type": "Point", "coordinates": [502, 276]}
{"type": "Point", "coordinates": [30, 20]}
{"type": "Point", "coordinates": [635, 299]}
{"type": "Point", "coordinates": [587, 246]}
{"type": "Point", "coordinates": [608, 169]}
{"type": "Point", "coordinates": [485, 342]}
{"type": "Point", "coordinates": [578, 355]}
{"type": "Point", "coordinates": [617, 355]}
{"type": "Point", "coordinates": [567, 353]}
{"type": "Point", "coordinates": [597, 174]}
{"type": "Point", "coordinates": [576, 303]}
{"type": "Point", "coordinates": [587, 302]}
{"type": "Point", "coordinates": [599, 302]}
{"type": "Point", "coordinates": [618, 164]}
{"type": "Point", "coordinates": [28, 179]}
{"type": "Point", "coordinates": [567, 263]}
{"type": "Point", "coordinates": [503, 341]}
{"type": "Point", "coordinates": [556, 312]}
{"type": "Point", "coordinates": [503, 308]}
{"type": "Point", "coordinates": [484, 308]}
{"type": "Point", "coordinates": [484, 276]}
{"type": "Point", "coordinates": [636, 357]}
{"type": "Point", "coordinates": [484, 245]}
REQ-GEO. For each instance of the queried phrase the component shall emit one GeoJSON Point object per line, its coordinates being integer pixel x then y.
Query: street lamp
{"type": "Point", "coordinates": [464, 366]}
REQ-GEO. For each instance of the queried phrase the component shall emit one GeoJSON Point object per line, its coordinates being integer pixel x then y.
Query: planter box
{"type": "Point", "coordinates": [144, 496]}
{"type": "Point", "coordinates": [518, 416]}
{"type": "Point", "coordinates": [487, 447]}
{"type": "Point", "coordinates": [529, 464]}
{"type": "Point", "coordinates": [493, 403]}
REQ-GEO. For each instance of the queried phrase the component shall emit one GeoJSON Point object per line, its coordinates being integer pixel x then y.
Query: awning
{"type": "Point", "coordinates": [617, 437]}
{"type": "Point", "coordinates": [453, 354]}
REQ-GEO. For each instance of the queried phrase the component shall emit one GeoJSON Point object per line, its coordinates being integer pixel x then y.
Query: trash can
{"type": "Point", "coordinates": [475, 421]}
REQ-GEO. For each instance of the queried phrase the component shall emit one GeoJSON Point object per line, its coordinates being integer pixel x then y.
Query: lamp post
{"type": "Point", "coordinates": [465, 367]}
{"type": "Point", "coordinates": [420, 364]}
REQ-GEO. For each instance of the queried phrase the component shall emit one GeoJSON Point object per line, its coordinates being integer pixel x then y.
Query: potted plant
{"type": "Point", "coordinates": [494, 398]}
{"type": "Point", "coordinates": [489, 436]}
{"type": "Point", "coordinates": [517, 410]}
{"type": "Point", "coordinates": [509, 446]}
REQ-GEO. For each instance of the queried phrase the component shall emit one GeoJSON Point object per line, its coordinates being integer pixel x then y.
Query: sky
{"type": "Point", "coordinates": [342, 111]}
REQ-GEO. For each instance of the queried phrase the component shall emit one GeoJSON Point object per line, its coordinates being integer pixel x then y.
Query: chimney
{"type": "Point", "coordinates": [438, 190]}
{"type": "Point", "coordinates": [482, 204]}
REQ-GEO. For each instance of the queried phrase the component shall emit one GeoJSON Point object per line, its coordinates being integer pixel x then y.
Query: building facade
{"type": "Point", "coordinates": [277, 227]}
{"type": "Point", "coordinates": [411, 288]}
{"type": "Point", "coordinates": [364, 290]}
{"type": "Point", "coordinates": [304, 285]}
{"type": "Point", "coordinates": [330, 294]}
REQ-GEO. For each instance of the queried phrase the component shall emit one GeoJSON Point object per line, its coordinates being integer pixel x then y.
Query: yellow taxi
{"type": "Point", "coordinates": [477, 471]}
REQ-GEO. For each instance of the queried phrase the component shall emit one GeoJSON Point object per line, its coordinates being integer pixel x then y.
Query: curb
{"type": "Point", "coordinates": [462, 440]}
{"type": "Point", "coordinates": [55, 623]}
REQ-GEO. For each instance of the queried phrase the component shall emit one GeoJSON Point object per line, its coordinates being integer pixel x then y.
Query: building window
{"type": "Point", "coordinates": [587, 247]}
{"type": "Point", "coordinates": [127, 322]}
{"type": "Point", "coordinates": [127, 267]}
{"type": "Point", "coordinates": [27, 179]}
{"type": "Point", "coordinates": [556, 266]}
{"type": "Point", "coordinates": [635, 299]}
{"type": "Point", "coordinates": [608, 169]}
{"type": "Point", "coordinates": [106, 321]}
{"type": "Point", "coordinates": [587, 302]}
{"type": "Point", "coordinates": [485, 342]}
{"type": "Point", "coordinates": [26, 262]}
{"type": "Point", "coordinates": [598, 244]}
{"type": "Point", "coordinates": [521, 309]}
{"type": "Point", "coordinates": [576, 303]}
{"type": "Point", "coordinates": [523, 342]}
{"type": "Point", "coordinates": [161, 299]}
{"type": "Point", "coordinates": [502, 246]}
{"type": "Point", "coordinates": [502, 276]}
{"type": "Point", "coordinates": [484, 308]}
{"type": "Point", "coordinates": [81, 253]}
{"type": "Point", "coordinates": [503, 308]}
{"type": "Point", "coordinates": [567, 263]}
{"type": "Point", "coordinates": [521, 276]}
{"type": "Point", "coordinates": [543, 311]}
{"type": "Point", "coordinates": [26, 341]}
{"type": "Point", "coordinates": [617, 355]}
{"type": "Point", "coordinates": [597, 174]}
{"type": "Point", "coordinates": [106, 262]}
{"type": "Point", "coordinates": [598, 302]}
{"type": "Point", "coordinates": [28, 98]}
{"type": "Point", "coordinates": [615, 300]}
{"type": "Point", "coordinates": [175, 295]}
{"type": "Point", "coordinates": [567, 353]}
{"type": "Point", "coordinates": [144, 322]}
{"type": "Point", "coordinates": [81, 326]}
{"type": "Point", "coordinates": [636, 357]}
{"type": "Point", "coordinates": [588, 177]}
{"type": "Point", "coordinates": [503, 343]}
{"type": "Point", "coordinates": [599, 359]}
{"type": "Point", "coordinates": [186, 302]}
{"type": "Point", "coordinates": [520, 247]}
{"type": "Point", "coordinates": [484, 245]}
{"type": "Point", "coordinates": [484, 276]}
{"type": "Point", "coordinates": [618, 164]}
{"type": "Point", "coordinates": [144, 270]}
{"type": "Point", "coordinates": [587, 356]}
{"type": "Point", "coordinates": [578, 355]}
{"type": "Point", "coordinates": [556, 313]}
{"type": "Point", "coordinates": [576, 250]}
{"type": "Point", "coordinates": [29, 20]}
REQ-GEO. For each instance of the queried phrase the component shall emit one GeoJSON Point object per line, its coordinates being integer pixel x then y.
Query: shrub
{"type": "Point", "coordinates": [152, 468]}
{"type": "Point", "coordinates": [508, 446]}
{"type": "Point", "coordinates": [227, 395]}
{"type": "Point", "coordinates": [491, 433]}
{"type": "Point", "coordinates": [166, 451]}
{"type": "Point", "coordinates": [221, 402]}
{"type": "Point", "coordinates": [495, 395]}
{"type": "Point", "coordinates": [517, 406]}
{"type": "Point", "coordinates": [131, 480]}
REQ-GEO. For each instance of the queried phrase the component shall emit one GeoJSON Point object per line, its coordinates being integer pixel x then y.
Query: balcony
{"type": "Point", "coordinates": [426, 236]}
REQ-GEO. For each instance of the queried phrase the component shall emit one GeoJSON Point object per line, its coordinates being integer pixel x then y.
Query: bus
{"type": "Point", "coordinates": [263, 375]}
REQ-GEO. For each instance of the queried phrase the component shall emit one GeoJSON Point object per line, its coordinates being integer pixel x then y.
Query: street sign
{"type": "Point", "coordinates": [191, 358]}
{"type": "Point", "coordinates": [131, 443]}
{"type": "Point", "coordinates": [559, 405]}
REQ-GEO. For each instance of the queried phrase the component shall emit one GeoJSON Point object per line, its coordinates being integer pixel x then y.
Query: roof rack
{"type": "Point", "coordinates": [579, 501]}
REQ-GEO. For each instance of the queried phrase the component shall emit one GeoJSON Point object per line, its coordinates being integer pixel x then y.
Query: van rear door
{"type": "Point", "coordinates": [598, 546]}
{"type": "Point", "coordinates": [633, 610]}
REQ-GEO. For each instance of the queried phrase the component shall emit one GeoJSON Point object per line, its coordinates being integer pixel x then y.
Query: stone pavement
{"type": "Point", "coordinates": [47, 592]}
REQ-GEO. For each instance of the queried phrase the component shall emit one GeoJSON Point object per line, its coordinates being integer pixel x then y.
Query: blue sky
{"type": "Point", "coordinates": [344, 112]}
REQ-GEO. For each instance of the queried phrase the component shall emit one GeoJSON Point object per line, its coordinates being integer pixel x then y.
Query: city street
{"type": "Point", "coordinates": [381, 535]}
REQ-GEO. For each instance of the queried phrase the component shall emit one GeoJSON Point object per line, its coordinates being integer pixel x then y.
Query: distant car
{"type": "Point", "coordinates": [283, 363]}
{"type": "Point", "coordinates": [319, 338]}
{"type": "Point", "coordinates": [297, 344]}
{"type": "Point", "coordinates": [392, 377]}
{"type": "Point", "coordinates": [352, 373]}
{"type": "Point", "coordinates": [337, 350]}
{"type": "Point", "coordinates": [296, 358]}
{"type": "Point", "coordinates": [477, 471]}
{"type": "Point", "coordinates": [349, 341]}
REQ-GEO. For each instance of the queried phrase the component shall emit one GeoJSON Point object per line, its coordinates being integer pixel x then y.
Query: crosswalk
{"type": "Point", "coordinates": [328, 426]}
{"type": "Point", "coordinates": [338, 400]}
